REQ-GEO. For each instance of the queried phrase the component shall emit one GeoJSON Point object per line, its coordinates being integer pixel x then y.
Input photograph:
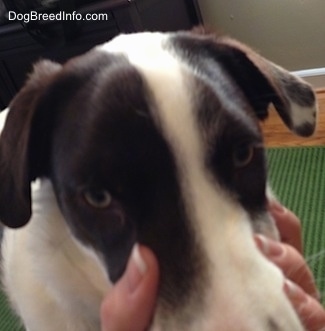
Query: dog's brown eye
{"type": "Point", "coordinates": [243, 155]}
{"type": "Point", "coordinates": [98, 199]}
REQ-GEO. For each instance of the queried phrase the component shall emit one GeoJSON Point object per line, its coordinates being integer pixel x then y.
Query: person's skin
{"type": "Point", "coordinates": [300, 285]}
{"type": "Point", "coordinates": [130, 304]}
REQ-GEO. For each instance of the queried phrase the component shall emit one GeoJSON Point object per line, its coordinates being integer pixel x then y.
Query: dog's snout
{"type": "Point", "coordinates": [241, 289]}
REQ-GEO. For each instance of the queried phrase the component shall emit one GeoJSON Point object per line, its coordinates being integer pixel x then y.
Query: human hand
{"type": "Point", "coordinates": [130, 303]}
{"type": "Point", "coordinates": [292, 264]}
{"type": "Point", "coordinates": [300, 285]}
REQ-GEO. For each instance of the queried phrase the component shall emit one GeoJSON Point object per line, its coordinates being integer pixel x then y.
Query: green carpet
{"type": "Point", "coordinates": [297, 178]}
{"type": "Point", "coordinates": [8, 322]}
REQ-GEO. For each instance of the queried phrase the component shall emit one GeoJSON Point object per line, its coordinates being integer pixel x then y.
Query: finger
{"type": "Point", "coordinates": [310, 311]}
{"type": "Point", "coordinates": [290, 261]}
{"type": "Point", "coordinates": [130, 303]}
{"type": "Point", "coordinates": [288, 224]}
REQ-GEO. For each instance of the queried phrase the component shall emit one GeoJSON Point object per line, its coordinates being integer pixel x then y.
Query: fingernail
{"type": "Point", "coordinates": [136, 269]}
{"type": "Point", "coordinates": [268, 247]}
{"type": "Point", "coordinates": [277, 207]}
{"type": "Point", "coordinates": [294, 292]}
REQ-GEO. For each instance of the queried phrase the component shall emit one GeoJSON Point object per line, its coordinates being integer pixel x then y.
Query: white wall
{"type": "Point", "coordinates": [288, 32]}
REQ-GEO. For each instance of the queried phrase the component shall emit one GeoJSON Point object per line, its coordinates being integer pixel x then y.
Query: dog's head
{"type": "Point", "coordinates": [154, 138]}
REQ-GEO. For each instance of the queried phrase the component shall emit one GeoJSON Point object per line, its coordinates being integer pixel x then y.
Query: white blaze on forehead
{"type": "Point", "coordinates": [168, 79]}
{"type": "Point", "coordinates": [142, 49]}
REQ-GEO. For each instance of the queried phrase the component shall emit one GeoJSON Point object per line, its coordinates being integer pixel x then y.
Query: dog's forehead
{"type": "Point", "coordinates": [193, 101]}
{"type": "Point", "coordinates": [181, 79]}
{"type": "Point", "coordinates": [151, 80]}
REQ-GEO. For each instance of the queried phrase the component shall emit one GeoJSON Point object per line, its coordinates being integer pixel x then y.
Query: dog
{"type": "Point", "coordinates": [151, 138]}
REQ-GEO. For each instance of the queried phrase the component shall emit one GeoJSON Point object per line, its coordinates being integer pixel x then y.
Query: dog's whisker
{"type": "Point", "coordinates": [315, 258]}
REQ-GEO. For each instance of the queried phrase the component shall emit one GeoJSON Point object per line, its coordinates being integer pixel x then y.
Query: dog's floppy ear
{"type": "Point", "coordinates": [19, 165]}
{"type": "Point", "coordinates": [263, 83]}
{"type": "Point", "coordinates": [293, 98]}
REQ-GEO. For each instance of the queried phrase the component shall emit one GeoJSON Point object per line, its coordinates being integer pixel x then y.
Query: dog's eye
{"type": "Point", "coordinates": [98, 199]}
{"type": "Point", "coordinates": [242, 155]}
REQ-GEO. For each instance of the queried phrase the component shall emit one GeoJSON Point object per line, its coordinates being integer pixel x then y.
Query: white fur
{"type": "Point", "coordinates": [302, 115]}
{"type": "Point", "coordinates": [59, 284]}
{"type": "Point", "coordinates": [3, 116]}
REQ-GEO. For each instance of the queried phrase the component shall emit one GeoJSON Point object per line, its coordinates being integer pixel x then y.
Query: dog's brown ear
{"type": "Point", "coordinates": [263, 83]}
{"type": "Point", "coordinates": [15, 147]}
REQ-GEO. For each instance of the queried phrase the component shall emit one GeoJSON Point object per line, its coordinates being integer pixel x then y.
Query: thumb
{"type": "Point", "coordinates": [130, 303]}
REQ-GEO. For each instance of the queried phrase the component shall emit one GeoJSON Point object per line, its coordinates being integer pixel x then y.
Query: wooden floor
{"type": "Point", "coordinates": [277, 134]}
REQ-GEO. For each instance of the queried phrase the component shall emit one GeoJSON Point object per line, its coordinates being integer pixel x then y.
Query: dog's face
{"type": "Point", "coordinates": [154, 138]}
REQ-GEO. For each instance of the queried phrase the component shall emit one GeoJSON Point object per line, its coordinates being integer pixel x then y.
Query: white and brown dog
{"type": "Point", "coordinates": [151, 138]}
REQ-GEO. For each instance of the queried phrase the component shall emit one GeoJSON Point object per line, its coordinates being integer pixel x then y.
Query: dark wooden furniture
{"type": "Point", "coordinates": [22, 44]}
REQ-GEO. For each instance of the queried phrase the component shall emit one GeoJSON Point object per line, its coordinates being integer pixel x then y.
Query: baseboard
{"type": "Point", "coordinates": [316, 77]}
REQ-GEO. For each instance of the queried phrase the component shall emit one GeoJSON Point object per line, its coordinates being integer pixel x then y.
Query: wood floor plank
{"type": "Point", "coordinates": [277, 134]}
